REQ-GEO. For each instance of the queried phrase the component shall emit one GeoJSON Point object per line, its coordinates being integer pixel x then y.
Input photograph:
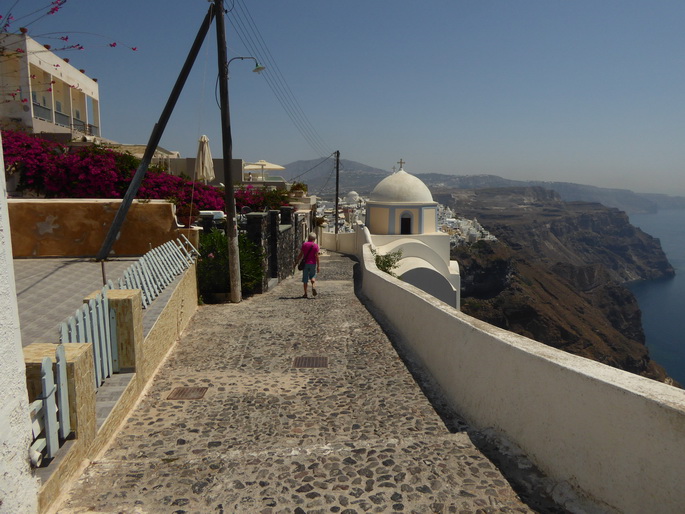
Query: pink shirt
{"type": "Point", "coordinates": [309, 252]}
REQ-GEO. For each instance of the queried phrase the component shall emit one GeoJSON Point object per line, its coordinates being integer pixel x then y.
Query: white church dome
{"type": "Point", "coordinates": [401, 187]}
{"type": "Point", "coordinates": [352, 197]}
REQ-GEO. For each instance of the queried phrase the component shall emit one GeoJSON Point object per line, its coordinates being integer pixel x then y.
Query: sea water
{"type": "Point", "coordinates": [662, 301]}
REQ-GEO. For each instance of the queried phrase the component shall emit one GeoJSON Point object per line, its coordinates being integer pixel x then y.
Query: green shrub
{"type": "Point", "coordinates": [212, 265]}
{"type": "Point", "coordinates": [251, 265]}
{"type": "Point", "coordinates": [387, 262]}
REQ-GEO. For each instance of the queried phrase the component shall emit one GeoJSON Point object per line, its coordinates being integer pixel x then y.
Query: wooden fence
{"type": "Point", "coordinates": [94, 322]}
{"type": "Point", "coordinates": [158, 268]}
{"type": "Point", "coordinates": [50, 412]}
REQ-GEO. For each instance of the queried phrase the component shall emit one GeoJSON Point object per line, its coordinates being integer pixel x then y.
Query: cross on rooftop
{"type": "Point", "coordinates": [401, 162]}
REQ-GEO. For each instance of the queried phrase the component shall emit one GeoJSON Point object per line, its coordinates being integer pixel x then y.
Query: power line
{"type": "Point", "coordinates": [276, 87]}
{"type": "Point", "coordinates": [253, 41]}
{"type": "Point", "coordinates": [273, 63]}
{"type": "Point", "coordinates": [322, 188]}
{"type": "Point", "coordinates": [313, 167]}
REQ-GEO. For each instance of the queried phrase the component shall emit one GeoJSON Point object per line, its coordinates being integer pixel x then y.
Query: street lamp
{"type": "Point", "coordinates": [258, 68]}
{"type": "Point", "coordinates": [227, 144]}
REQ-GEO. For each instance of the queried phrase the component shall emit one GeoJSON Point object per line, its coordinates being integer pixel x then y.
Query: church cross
{"type": "Point", "coordinates": [401, 162]}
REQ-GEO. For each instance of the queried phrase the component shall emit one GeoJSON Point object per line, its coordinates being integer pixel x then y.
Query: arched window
{"type": "Point", "coordinates": [405, 223]}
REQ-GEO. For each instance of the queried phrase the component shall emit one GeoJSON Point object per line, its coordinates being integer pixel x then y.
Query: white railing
{"type": "Point", "coordinates": [158, 268]}
{"type": "Point", "coordinates": [50, 421]}
{"type": "Point", "coordinates": [94, 322]}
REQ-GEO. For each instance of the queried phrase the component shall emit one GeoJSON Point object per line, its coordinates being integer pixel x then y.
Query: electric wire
{"type": "Point", "coordinates": [249, 35]}
{"type": "Point", "coordinates": [279, 92]}
{"type": "Point", "coordinates": [322, 188]}
{"type": "Point", "coordinates": [277, 89]}
{"type": "Point", "coordinates": [270, 59]}
{"type": "Point", "coordinates": [292, 179]}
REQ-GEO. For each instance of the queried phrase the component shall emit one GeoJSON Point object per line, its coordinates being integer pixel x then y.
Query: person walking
{"type": "Point", "coordinates": [309, 255]}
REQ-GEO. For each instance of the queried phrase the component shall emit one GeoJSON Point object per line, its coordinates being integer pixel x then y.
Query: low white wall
{"type": "Point", "coordinates": [618, 437]}
{"type": "Point", "coordinates": [345, 242]}
{"type": "Point", "coordinates": [413, 248]}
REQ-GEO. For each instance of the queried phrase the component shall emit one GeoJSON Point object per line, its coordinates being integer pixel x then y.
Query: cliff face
{"type": "Point", "coordinates": [556, 274]}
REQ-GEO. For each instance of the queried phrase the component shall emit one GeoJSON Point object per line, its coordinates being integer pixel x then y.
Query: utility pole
{"type": "Point", "coordinates": [337, 192]}
{"type": "Point", "coordinates": [227, 143]}
{"type": "Point", "coordinates": [216, 11]}
{"type": "Point", "coordinates": [153, 142]}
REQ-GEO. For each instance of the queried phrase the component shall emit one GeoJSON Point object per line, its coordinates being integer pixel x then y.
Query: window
{"type": "Point", "coordinates": [58, 106]}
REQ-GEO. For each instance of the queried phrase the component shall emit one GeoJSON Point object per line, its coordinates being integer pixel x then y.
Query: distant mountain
{"type": "Point", "coordinates": [665, 202]}
{"type": "Point", "coordinates": [622, 199]}
{"type": "Point", "coordinates": [320, 176]}
{"type": "Point", "coordinates": [355, 176]}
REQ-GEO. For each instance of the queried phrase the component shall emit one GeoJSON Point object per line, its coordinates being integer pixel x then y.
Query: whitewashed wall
{"type": "Point", "coordinates": [18, 488]}
{"type": "Point", "coordinates": [618, 437]}
{"type": "Point", "coordinates": [342, 242]}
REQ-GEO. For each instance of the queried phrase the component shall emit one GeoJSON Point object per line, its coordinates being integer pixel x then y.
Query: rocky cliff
{"type": "Point", "coordinates": [556, 273]}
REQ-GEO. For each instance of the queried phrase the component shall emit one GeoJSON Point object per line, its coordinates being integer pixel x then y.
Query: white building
{"type": "Point", "coordinates": [401, 215]}
{"type": "Point", "coordinates": [42, 93]}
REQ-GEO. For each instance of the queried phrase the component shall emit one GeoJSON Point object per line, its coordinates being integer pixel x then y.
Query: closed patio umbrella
{"type": "Point", "coordinates": [204, 167]}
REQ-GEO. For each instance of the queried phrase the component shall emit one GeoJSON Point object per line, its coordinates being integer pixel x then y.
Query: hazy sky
{"type": "Point", "coordinates": [580, 91]}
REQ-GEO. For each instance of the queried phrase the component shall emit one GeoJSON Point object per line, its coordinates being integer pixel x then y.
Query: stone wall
{"type": "Point", "coordinates": [258, 233]}
{"type": "Point", "coordinates": [280, 234]}
{"type": "Point", "coordinates": [287, 252]}
{"type": "Point", "coordinates": [77, 228]}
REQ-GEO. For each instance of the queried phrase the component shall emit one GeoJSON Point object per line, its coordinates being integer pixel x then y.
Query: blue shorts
{"type": "Point", "coordinates": [308, 273]}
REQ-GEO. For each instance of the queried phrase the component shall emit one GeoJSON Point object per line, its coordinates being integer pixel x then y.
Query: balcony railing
{"type": "Point", "coordinates": [79, 125]}
{"type": "Point", "coordinates": [62, 119]}
{"type": "Point", "coordinates": [42, 112]}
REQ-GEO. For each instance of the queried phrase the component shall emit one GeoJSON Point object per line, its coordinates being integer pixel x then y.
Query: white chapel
{"type": "Point", "coordinates": [401, 215]}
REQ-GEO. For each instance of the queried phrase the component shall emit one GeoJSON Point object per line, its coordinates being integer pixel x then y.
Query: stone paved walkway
{"type": "Point", "coordinates": [49, 290]}
{"type": "Point", "coordinates": [356, 436]}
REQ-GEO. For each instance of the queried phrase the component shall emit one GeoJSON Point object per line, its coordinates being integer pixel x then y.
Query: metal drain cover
{"type": "Point", "coordinates": [310, 362]}
{"type": "Point", "coordinates": [187, 393]}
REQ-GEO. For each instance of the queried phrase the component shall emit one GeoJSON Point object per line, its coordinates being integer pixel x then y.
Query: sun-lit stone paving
{"type": "Point", "coordinates": [357, 435]}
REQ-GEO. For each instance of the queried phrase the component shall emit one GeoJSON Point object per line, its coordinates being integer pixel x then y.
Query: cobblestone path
{"type": "Point", "coordinates": [356, 436]}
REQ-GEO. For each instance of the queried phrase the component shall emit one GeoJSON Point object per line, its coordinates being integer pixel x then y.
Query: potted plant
{"type": "Point", "coordinates": [186, 215]}
{"type": "Point", "coordinates": [298, 189]}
